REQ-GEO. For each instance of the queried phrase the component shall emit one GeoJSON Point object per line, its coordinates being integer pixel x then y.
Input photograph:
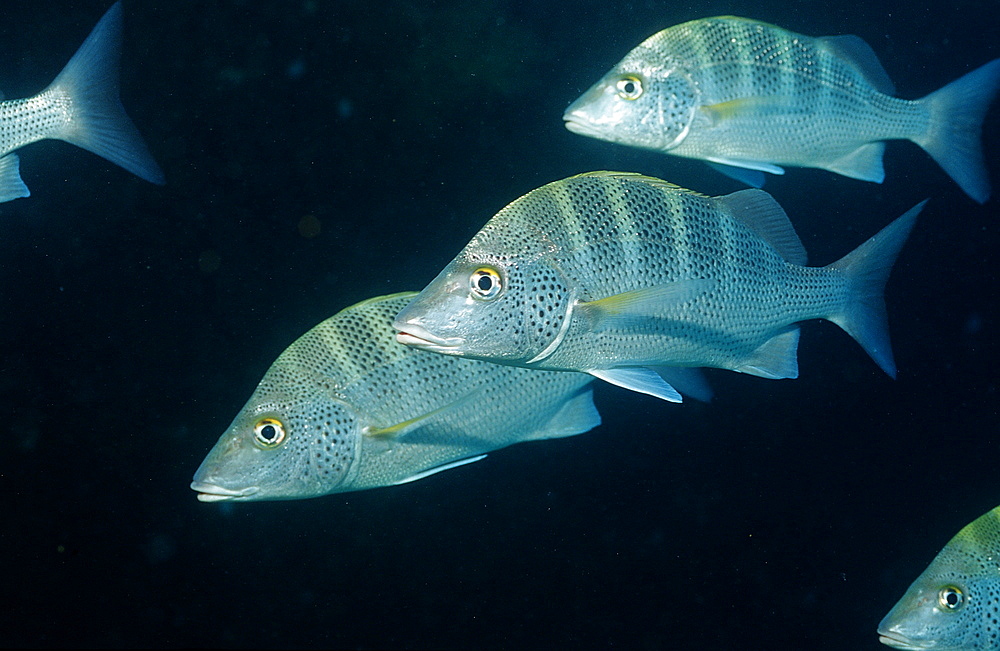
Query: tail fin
{"type": "Point", "coordinates": [953, 139]}
{"type": "Point", "coordinates": [867, 268]}
{"type": "Point", "coordinates": [100, 124]}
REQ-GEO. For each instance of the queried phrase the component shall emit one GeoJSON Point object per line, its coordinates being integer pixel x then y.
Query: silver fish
{"type": "Point", "coordinates": [748, 97]}
{"type": "Point", "coordinates": [346, 408]}
{"type": "Point", "coordinates": [954, 604]}
{"type": "Point", "coordinates": [82, 107]}
{"type": "Point", "coordinates": [617, 274]}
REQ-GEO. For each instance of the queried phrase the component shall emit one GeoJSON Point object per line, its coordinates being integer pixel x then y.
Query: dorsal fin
{"type": "Point", "coordinates": [853, 49]}
{"type": "Point", "coordinates": [761, 213]}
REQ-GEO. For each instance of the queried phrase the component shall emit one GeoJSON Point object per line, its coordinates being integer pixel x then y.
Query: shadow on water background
{"type": "Point", "coordinates": [321, 153]}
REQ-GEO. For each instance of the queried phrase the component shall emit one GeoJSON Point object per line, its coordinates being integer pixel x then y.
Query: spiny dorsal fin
{"type": "Point", "coordinates": [853, 49]}
{"type": "Point", "coordinates": [761, 213]}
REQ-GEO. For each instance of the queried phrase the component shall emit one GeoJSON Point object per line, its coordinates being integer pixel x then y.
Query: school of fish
{"type": "Point", "coordinates": [610, 275]}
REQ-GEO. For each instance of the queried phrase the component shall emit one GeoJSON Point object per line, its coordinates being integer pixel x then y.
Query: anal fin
{"type": "Point", "coordinates": [576, 416]}
{"type": "Point", "coordinates": [864, 163]}
{"type": "Point", "coordinates": [11, 185]}
{"type": "Point", "coordinates": [776, 359]}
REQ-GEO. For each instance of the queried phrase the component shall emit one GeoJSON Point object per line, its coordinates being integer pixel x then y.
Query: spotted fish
{"type": "Point", "coordinates": [345, 408]}
{"type": "Point", "coordinates": [749, 97]}
{"type": "Point", "coordinates": [619, 275]}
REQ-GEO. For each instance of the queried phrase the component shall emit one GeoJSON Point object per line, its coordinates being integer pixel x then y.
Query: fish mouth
{"type": "Point", "coordinates": [897, 641]}
{"type": "Point", "coordinates": [212, 493]}
{"type": "Point", "coordinates": [577, 123]}
{"type": "Point", "coordinates": [419, 337]}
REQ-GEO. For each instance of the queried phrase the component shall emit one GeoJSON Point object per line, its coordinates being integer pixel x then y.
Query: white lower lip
{"type": "Point", "coordinates": [896, 642]}
{"type": "Point", "coordinates": [418, 337]}
{"type": "Point", "coordinates": [580, 126]}
{"type": "Point", "coordinates": [212, 493]}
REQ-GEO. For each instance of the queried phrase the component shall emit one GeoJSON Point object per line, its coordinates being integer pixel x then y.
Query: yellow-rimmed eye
{"type": "Point", "coordinates": [485, 283]}
{"type": "Point", "coordinates": [629, 87]}
{"type": "Point", "coordinates": [951, 597]}
{"type": "Point", "coordinates": [268, 433]}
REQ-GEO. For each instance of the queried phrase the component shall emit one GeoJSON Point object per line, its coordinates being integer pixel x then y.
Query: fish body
{"type": "Point", "coordinates": [749, 97]}
{"type": "Point", "coordinates": [617, 275]}
{"type": "Point", "coordinates": [346, 408]}
{"type": "Point", "coordinates": [81, 106]}
{"type": "Point", "coordinates": [954, 604]}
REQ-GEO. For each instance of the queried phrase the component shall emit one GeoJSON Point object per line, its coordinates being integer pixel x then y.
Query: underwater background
{"type": "Point", "coordinates": [320, 153]}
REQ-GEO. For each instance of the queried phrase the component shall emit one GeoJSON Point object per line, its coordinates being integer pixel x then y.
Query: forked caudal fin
{"type": "Point", "coordinates": [953, 139]}
{"type": "Point", "coordinates": [867, 269]}
{"type": "Point", "coordinates": [100, 124]}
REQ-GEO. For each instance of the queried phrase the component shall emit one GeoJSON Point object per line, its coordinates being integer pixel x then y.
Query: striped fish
{"type": "Point", "coordinates": [618, 274]}
{"type": "Point", "coordinates": [81, 107]}
{"type": "Point", "coordinates": [955, 604]}
{"type": "Point", "coordinates": [345, 407]}
{"type": "Point", "coordinates": [749, 97]}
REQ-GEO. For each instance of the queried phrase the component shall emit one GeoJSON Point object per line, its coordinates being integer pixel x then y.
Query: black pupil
{"type": "Point", "coordinates": [952, 598]}
{"type": "Point", "coordinates": [268, 432]}
{"type": "Point", "coordinates": [629, 87]}
{"type": "Point", "coordinates": [485, 283]}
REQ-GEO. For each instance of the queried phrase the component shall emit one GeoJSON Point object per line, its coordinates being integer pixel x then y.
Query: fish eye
{"type": "Point", "coordinates": [951, 597]}
{"type": "Point", "coordinates": [268, 433]}
{"type": "Point", "coordinates": [629, 87]}
{"type": "Point", "coordinates": [485, 283]}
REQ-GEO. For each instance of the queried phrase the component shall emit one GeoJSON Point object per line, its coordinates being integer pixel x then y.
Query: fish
{"type": "Point", "coordinates": [82, 107]}
{"type": "Point", "coordinates": [345, 408]}
{"type": "Point", "coordinates": [749, 97]}
{"type": "Point", "coordinates": [623, 276]}
{"type": "Point", "coordinates": [954, 604]}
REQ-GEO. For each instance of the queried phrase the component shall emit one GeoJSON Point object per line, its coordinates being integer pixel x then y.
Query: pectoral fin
{"type": "Point", "coordinates": [411, 424]}
{"type": "Point", "coordinates": [640, 380]}
{"type": "Point", "coordinates": [646, 302]}
{"type": "Point", "coordinates": [762, 106]}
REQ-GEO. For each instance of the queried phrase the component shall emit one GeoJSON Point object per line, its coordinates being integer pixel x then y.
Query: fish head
{"type": "Point", "coordinates": [952, 605]}
{"type": "Point", "coordinates": [291, 440]}
{"type": "Point", "coordinates": [505, 309]}
{"type": "Point", "coordinates": [933, 614]}
{"type": "Point", "coordinates": [648, 100]}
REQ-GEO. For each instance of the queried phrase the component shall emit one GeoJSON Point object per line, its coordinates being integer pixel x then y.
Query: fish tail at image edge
{"type": "Point", "coordinates": [100, 124]}
{"type": "Point", "coordinates": [954, 137]}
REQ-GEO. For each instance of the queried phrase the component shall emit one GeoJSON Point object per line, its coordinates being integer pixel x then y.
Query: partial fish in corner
{"type": "Point", "coordinates": [82, 107]}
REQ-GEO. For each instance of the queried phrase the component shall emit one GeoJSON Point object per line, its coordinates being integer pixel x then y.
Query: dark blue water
{"type": "Point", "coordinates": [319, 153]}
